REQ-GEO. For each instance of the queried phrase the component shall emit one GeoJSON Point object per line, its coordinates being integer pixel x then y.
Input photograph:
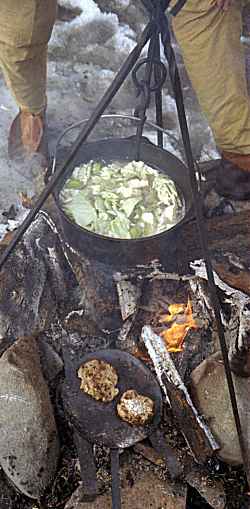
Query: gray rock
{"type": "Point", "coordinates": [29, 447]}
{"type": "Point", "coordinates": [211, 489]}
{"type": "Point", "coordinates": [9, 498]}
{"type": "Point", "coordinates": [210, 393]}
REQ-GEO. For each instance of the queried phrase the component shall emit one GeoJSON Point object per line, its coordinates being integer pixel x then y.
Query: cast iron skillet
{"type": "Point", "coordinates": [125, 253]}
{"type": "Point", "coordinates": [98, 423]}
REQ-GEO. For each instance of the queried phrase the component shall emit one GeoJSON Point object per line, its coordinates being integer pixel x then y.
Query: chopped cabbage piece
{"type": "Point", "coordinates": [82, 211]}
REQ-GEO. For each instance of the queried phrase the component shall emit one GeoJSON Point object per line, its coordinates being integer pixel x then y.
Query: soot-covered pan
{"type": "Point", "coordinates": [96, 422]}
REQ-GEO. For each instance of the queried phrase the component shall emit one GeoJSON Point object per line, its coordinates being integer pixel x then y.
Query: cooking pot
{"type": "Point", "coordinates": [125, 253]}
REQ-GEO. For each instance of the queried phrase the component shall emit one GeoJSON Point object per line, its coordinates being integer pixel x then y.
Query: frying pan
{"type": "Point", "coordinates": [97, 422]}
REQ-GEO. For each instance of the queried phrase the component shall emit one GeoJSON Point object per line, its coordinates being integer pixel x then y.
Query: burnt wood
{"type": "Point", "coordinates": [187, 422]}
{"type": "Point", "coordinates": [225, 234]}
{"type": "Point", "coordinates": [196, 432]}
{"type": "Point", "coordinates": [168, 454]}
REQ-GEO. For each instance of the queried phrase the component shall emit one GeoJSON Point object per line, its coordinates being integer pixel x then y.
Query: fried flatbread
{"type": "Point", "coordinates": [98, 380]}
{"type": "Point", "coordinates": [135, 408]}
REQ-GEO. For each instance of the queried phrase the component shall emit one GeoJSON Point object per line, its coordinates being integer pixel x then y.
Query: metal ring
{"type": "Point", "coordinates": [141, 83]}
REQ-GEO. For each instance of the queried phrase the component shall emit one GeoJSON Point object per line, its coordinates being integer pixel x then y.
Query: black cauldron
{"type": "Point", "coordinates": [125, 253]}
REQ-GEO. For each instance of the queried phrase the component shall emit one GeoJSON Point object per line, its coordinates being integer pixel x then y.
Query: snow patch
{"type": "Point", "coordinates": [124, 39]}
{"type": "Point", "coordinates": [13, 224]}
{"type": "Point", "coordinates": [89, 27]}
{"type": "Point", "coordinates": [88, 7]}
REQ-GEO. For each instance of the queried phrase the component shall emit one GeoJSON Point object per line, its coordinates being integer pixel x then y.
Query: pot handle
{"type": "Point", "coordinates": [52, 167]}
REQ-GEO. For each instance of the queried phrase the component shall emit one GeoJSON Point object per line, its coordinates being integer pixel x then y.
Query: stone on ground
{"type": "Point", "coordinates": [29, 447]}
{"type": "Point", "coordinates": [210, 393]}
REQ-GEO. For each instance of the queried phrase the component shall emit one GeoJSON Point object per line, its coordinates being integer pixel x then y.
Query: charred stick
{"type": "Point", "coordinates": [196, 432]}
{"type": "Point", "coordinates": [239, 347]}
{"type": "Point", "coordinates": [129, 296]}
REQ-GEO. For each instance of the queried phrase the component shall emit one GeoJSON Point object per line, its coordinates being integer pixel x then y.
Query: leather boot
{"type": "Point", "coordinates": [233, 176]}
{"type": "Point", "coordinates": [27, 138]}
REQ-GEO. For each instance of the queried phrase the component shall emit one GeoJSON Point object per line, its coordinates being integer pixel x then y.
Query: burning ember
{"type": "Point", "coordinates": [182, 320]}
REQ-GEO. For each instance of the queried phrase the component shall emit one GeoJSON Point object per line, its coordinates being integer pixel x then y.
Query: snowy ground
{"type": "Point", "coordinates": [84, 56]}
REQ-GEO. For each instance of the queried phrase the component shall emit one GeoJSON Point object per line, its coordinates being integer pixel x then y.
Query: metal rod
{"type": "Point", "coordinates": [88, 127]}
{"type": "Point", "coordinates": [116, 488]}
{"type": "Point", "coordinates": [177, 7]}
{"type": "Point", "coordinates": [157, 76]}
{"type": "Point", "coordinates": [158, 97]}
{"type": "Point", "coordinates": [175, 80]}
{"type": "Point", "coordinates": [145, 92]}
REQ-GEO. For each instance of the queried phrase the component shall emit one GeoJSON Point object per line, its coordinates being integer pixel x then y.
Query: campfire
{"type": "Point", "coordinates": [174, 361]}
{"type": "Point", "coordinates": [180, 317]}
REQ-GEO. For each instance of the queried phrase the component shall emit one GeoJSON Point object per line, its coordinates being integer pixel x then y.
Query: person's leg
{"type": "Point", "coordinates": [213, 55]}
{"type": "Point", "coordinates": [24, 34]}
{"type": "Point", "coordinates": [25, 73]}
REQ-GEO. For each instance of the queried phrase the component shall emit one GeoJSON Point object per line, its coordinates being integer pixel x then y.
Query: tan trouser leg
{"type": "Point", "coordinates": [214, 58]}
{"type": "Point", "coordinates": [25, 29]}
{"type": "Point", "coordinates": [26, 75]}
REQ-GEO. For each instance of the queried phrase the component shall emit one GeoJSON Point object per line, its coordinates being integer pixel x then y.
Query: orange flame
{"type": "Point", "coordinates": [182, 316]}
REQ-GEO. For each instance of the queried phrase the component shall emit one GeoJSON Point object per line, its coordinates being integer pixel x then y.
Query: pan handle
{"type": "Point", "coordinates": [88, 468]}
{"type": "Point", "coordinates": [115, 474]}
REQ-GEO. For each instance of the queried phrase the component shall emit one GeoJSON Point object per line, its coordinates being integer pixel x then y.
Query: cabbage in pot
{"type": "Point", "coordinates": [126, 201]}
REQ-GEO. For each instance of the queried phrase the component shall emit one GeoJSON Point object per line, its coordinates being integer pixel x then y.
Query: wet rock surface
{"type": "Point", "coordinates": [212, 490]}
{"type": "Point", "coordinates": [29, 446]}
{"type": "Point", "coordinates": [9, 498]}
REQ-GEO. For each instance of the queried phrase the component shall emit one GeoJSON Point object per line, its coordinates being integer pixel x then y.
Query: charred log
{"type": "Point", "coordinates": [197, 434]}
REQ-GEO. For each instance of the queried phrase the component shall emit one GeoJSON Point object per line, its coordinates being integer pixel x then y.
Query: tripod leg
{"type": "Point", "coordinates": [158, 95]}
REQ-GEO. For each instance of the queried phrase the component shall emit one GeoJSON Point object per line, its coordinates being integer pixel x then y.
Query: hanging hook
{"type": "Point", "coordinates": [153, 85]}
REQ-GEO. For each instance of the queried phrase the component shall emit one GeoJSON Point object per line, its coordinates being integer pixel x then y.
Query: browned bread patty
{"type": "Point", "coordinates": [135, 408]}
{"type": "Point", "coordinates": [98, 379]}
